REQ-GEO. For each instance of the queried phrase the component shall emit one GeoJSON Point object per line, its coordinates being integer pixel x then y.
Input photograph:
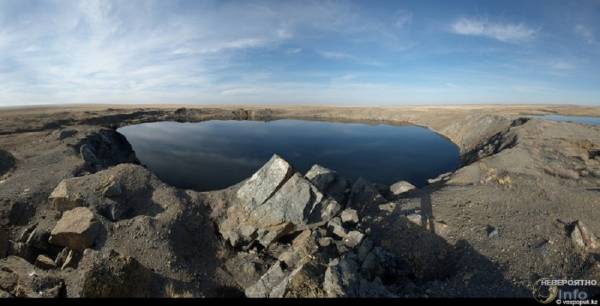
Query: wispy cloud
{"type": "Point", "coordinates": [293, 50]}
{"type": "Point", "coordinates": [336, 55]}
{"type": "Point", "coordinates": [265, 51]}
{"type": "Point", "coordinates": [344, 56]}
{"type": "Point", "coordinates": [505, 32]}
{"type": "Point", "coordinates": [403, 18]}
{"type": "Point", "coordinates": [585, 33]}
{"type": "Point", "coordinates": [97, 50]}
{"type": "Point", "coordinates": [562, 65]}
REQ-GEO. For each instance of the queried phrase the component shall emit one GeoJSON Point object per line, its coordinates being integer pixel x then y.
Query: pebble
{"type": "Point", "coordinates": [491, 231]}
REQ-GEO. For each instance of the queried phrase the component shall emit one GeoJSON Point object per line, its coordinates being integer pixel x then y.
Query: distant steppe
{"type": "Point", "coordinates": [524, 205]}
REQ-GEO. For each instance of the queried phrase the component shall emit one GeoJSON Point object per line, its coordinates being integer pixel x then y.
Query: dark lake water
{"type": "Point", "coordinates": [576, 119]}
{"type": "Point", "coordinates": [216, 154]}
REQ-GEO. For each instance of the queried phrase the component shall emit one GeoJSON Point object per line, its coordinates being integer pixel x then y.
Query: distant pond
{"type": "Point", "coordinates": [216, 154]}
{"type": "Point", "coordinates": [576, 119]}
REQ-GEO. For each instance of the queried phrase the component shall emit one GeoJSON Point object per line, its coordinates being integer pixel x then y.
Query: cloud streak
{"type": "Point", "coordinates": [266, 51]}
{"type": "Point", "coordinates": [94, 50]}
{"type": "Point", "coordinates": [504, 32]}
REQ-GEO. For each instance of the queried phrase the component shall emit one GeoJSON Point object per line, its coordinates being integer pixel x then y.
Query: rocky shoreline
{"type": "Point", "coordinates": [80, 217]}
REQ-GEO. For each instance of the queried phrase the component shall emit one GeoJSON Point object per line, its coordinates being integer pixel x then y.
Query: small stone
{"type": "Point", "coordinates": [44, 262]}
{"type": "Point", "coordinates": [63, 198]}
{"type": "Point", "coordinates": [401, 187]}
{"type": "Point", "coordinates": [415, 218]}
{"type": "Point", "coordinates": [336, 227]}
{"type": "Point", "coordinates": [64, 134]}
{"type": "Point", "coordinates": [325, 241]}
{"type": "Point", "coordinates": [77, 229]}
{"type": "Point", "coordinates": [491, 231]}
{"type": "Point", "coordinates": [353, 238]}
{"type": "Point", "coordinates": [539, 243]}
{"type": "Point", "coordinates": [388, 207]}
{"type": "Point", "coordinates": [440, 178]}
{"type": "Point", "coordinates": [583, 238]}
{"type": "Point", "coordinates": [349, 216]}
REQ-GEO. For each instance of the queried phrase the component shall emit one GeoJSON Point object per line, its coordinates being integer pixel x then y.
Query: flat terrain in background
{"type": "Point", "coordinates": [524, 204]}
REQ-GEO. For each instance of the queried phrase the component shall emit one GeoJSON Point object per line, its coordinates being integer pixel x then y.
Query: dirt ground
{"type": "Point", "coordinates": [523, 186]}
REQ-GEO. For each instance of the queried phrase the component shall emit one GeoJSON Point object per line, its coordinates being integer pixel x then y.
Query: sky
{"type": "Point", "coordinates": [299, 52]}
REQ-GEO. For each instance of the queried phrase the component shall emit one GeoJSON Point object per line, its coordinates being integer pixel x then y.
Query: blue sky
{"type": "Point", "coordinates": [299, 52]}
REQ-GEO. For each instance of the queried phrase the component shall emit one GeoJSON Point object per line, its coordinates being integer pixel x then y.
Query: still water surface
{"type": "Point", "coordinates": [216, 154]}
{"type": "Point", "coordinates": [576, 119]}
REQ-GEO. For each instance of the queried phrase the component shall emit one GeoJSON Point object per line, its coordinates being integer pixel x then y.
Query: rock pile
{"type": "Point", "coordinates": [307, 236]}
{"type": "Point", "coordinates": [122, 232]}
{"type": "Point", "coordinates": [274, 202]}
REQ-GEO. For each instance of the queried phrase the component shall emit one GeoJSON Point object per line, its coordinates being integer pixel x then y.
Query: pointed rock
{"type": "Point", "coordinates": [294, 202]}
{"type": "Point", "coordinates": [266, 181]}
{"type": "Point", "coordinates": [583, 238]}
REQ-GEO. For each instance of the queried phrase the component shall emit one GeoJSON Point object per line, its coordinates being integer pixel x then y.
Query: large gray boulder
{"type": "Point", "coordinates": [296, 202]}
{"type": "Point", "coordinates": [274, 202]}
{"type": "Point", "coordinates": [118, 193]}
{"type": "Point", "coordinates": [263, 184]}
{"type": "Point", "coordinates": [329, 182]}
{"type": "Point", "coordinates": [77, 229]}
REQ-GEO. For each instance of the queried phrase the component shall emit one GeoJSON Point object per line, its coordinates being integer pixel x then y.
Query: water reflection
{"type": "Point", "coordinates": [215, 154]}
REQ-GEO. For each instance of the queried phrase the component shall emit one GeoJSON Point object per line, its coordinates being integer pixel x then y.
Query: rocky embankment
{"type": "Point", "coordinates": [80, 217]}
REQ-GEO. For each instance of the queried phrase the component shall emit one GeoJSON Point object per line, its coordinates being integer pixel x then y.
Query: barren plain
{"type": "Point", "coordinates": [80, 217]}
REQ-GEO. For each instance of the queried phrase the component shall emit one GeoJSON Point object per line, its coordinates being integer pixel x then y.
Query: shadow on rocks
{"type": "Point", "coordinates": [7, 162]}
{"type": "Point", "coordinates": [438, 268]}
{"type": "Point", "coordinates": [111, 274]}
{"type": "Point", "coordinates": [195, 246]}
